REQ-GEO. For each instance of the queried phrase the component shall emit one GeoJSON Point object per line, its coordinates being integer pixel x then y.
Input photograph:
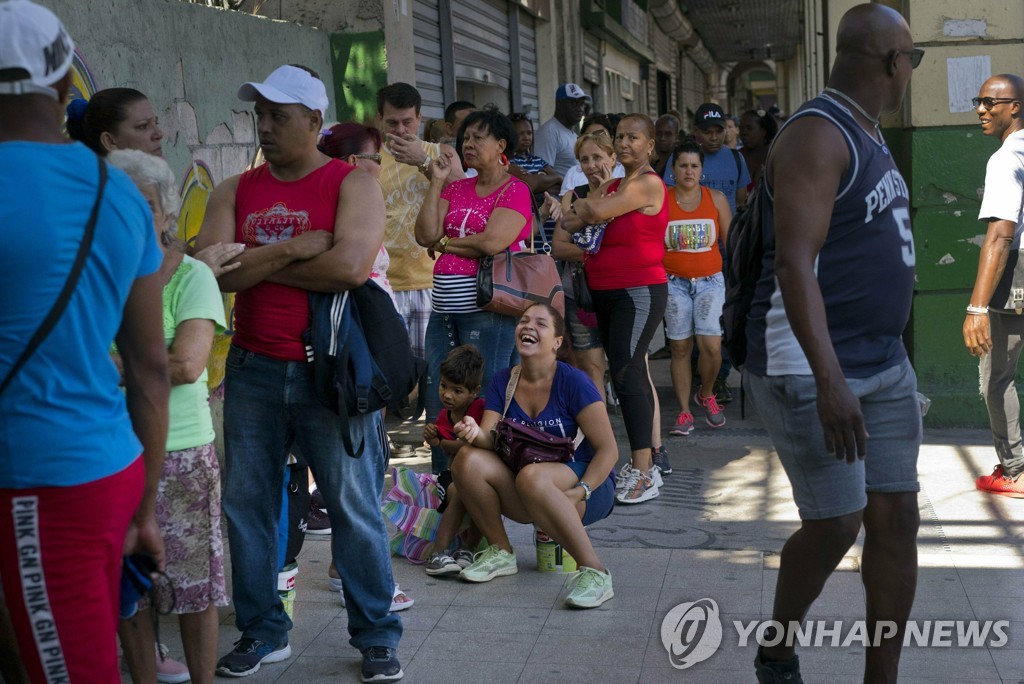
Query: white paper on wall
{"type": "Point", "coordinates": [965, 76]}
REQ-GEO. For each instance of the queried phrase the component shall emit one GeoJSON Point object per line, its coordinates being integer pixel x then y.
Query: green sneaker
{"type": "Point", "coordinates": [590, 588]}
{"type": "Point", "coordinates": [490, 563]}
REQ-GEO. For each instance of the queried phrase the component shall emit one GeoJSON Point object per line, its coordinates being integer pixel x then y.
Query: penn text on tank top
{"type": "Point", "coordinates": [270, 318]}
{"type": "Point", "coordinates": [865, 268]}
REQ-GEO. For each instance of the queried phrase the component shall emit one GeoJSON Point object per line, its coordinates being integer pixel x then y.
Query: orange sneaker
{"type": "Point", "coordinates": [999, 483]}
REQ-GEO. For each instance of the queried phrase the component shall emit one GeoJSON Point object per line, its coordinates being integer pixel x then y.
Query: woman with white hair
{"type": "Point", "coordinates": [188, 500]}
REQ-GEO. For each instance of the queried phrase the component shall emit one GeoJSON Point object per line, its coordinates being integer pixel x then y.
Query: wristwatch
{"type": "Point", "coordinates": [443, 243]}
{"type": "Point", "coordinates": [586, 490]}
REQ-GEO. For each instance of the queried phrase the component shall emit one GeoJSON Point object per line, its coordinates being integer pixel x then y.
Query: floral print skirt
{"type": "Point", "coordinates": [188, 512]}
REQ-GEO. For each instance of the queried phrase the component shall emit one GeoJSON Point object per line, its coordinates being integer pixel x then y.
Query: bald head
{"type": "Point", "coordinates": [1008, 85]}
{"type": "Point", "coordinates": [872, 30]}
{"type": "Point", "coordinates": [875, 55]}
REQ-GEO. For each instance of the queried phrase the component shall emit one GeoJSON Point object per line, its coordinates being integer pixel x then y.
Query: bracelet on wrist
{"type": "Point", "coordinates": [977, 310]}
{"type": "Point", "coordinates": [443, 244]}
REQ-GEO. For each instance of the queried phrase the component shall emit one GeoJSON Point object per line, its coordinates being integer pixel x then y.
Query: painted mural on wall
{"type": "Point", "coordinates": [195, 192]}
{"type": "Point", "coordinates": [83, 85]}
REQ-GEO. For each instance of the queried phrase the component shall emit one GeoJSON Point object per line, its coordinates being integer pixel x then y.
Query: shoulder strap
{"type": "Point", "coordinates": [69, 285]}
{"type": "Point", "coordinates": [739, 167]}
{"type": "Point", "coordinates": [510, 389]}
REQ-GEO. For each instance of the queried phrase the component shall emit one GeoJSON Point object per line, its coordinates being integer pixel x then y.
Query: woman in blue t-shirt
{"type": "Point", "coordinates": [561, 498]}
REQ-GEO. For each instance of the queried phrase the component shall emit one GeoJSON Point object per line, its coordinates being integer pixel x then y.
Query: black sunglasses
{"type": "Point", "coordinates": [989, 102]}
{"type": "Point", "coordinates": [915, 54]}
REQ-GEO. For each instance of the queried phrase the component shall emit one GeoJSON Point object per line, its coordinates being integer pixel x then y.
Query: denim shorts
{"type": "Point", "coordinates": [824, 487]}
{"type": "Point", "coordinates": [584, 338]}
{"type": "Point", "coordinates": [602, 500]}
{"type": "Point", "coordinates": [694, 305]}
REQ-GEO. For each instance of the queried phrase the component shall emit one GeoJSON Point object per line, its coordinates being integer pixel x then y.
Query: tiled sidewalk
{"type": "Point", "coordinates": [714, 532]}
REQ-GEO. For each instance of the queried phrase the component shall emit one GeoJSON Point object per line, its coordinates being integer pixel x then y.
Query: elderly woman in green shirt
{"type": "Point", "coordinates": [188, 500]}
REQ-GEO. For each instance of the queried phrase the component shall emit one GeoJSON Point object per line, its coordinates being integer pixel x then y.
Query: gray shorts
{"type": "Point", "coordinates": [824, 487]}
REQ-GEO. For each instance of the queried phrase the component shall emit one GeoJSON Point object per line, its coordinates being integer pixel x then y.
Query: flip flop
{"type": "Point", "coordinates": [397, 605]}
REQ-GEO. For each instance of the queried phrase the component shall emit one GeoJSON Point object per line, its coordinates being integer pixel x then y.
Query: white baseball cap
{"type": "Point", "coordinates": [33, 40]}
{"type": "Point", "coordinates": [288, 85]}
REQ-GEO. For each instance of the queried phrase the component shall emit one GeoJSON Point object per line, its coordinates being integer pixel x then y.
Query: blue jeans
{"type": "Point", "coordinates": [270, 407]}
{"type": "Point", "coordinates": [491, 333]}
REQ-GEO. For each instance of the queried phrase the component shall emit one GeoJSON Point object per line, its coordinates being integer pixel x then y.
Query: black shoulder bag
{"type": "Point", "coordinates": [69, 286]}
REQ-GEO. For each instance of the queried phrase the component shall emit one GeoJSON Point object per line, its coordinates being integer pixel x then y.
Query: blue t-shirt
{"type": "Point", "coordinates": [726, 170]}
{"type": "Point", "coordinates": [571, 392]}
{"type": "Point", "coordinates": [63, 419]}
{"type": "Point", "coordinates": [669, 176]}
{"type": "Point", "coordinates": [865, 268]}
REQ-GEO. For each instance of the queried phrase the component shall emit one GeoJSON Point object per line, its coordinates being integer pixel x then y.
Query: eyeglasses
{"type": "Point", "coordinates": [372, 157]}
{"type": "Point", "coordinates": [915, 54]}
{"type": "Point", "coordinates": [989, 102]}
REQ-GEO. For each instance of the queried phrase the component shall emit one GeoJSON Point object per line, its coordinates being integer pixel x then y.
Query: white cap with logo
{"type": "Point", "coordinates": [288, 85]}
{"type": "Point", "coordinates": [35, 49]}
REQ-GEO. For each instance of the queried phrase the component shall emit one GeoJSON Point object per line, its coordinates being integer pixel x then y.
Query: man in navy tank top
{"type": "Point", "coordinates": [826, 367]}
{"type": "Point", "coordinates": [308, 222]}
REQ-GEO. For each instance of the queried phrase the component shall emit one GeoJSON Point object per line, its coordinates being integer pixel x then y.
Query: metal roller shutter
{"type": "Point", "coordinates": [592, 70]}
{"type": "Point", "coordinates": [427, 48]}
{"type": "Point", "coordinates": [528, 66]}
{"type": "Point", "coordinates": [480, 32]}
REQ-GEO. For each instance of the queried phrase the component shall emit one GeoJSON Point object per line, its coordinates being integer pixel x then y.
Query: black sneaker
{"type": "Point", "coordinates": [317, 522]}
{"type": "Point", "coordinates": [248, 655]}
{"type": "Point", "coordinates": [781, 672]}
{"type": "Point", "coordinates": [660, 458]}
{"type": "Point", "coordinates": [380, 664]}
{"type": "Point", "coordinates": [722, 391]}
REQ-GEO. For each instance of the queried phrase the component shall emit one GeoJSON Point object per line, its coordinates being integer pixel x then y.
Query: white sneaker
{"type": "Point", "coordinates": [639, 488]}
{"type": "Point", "coordinates": [622, 479]}
{"type": "Point", "coordinates": [655, 474]}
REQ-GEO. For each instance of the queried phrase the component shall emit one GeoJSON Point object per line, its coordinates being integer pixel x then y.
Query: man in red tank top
{"type": "Point", "coordinates": [308, 222]}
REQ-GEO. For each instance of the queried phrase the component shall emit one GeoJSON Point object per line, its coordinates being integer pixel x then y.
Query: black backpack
{"type": "Point", "coordinates": [362, 359]}
{"type": "Point", "coordinates": [744, 252]}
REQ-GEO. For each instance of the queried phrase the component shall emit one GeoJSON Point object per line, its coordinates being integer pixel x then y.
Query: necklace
{"type": "Point", "coordinates": [833, 91]}
{"type": "Point", "coordinates": [682, 199]}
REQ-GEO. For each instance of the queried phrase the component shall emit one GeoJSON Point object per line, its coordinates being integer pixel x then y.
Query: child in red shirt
{"type": "Point", "coordinates": [461, 375]}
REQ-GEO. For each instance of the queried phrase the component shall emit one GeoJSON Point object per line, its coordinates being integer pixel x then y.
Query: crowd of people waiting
{"type": "Point", "coordinates": [324, 209]}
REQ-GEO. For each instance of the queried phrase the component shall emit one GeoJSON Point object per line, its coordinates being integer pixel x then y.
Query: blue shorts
{"type": "Point", "coordinates": [824, 487]}
{"type": "Point", "coordinates": [694, 306]}
{"type": "Point", "coordinates": [602, 499]}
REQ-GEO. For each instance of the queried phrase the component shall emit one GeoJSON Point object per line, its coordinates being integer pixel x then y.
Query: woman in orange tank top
{"type": "Point", "coordinates": [698, 221]}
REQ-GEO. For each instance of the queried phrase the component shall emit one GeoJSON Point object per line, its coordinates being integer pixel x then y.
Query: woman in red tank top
{"type": "Point", "coordinates": [698, 219]}
{"type": "Point", "coordinates": [628, 284]}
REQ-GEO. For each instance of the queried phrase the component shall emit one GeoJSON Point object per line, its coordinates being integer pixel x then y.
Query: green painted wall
{"type": "Point", "coordinates": [945, 169]}
{"type": "Point", "coordinates": [360, 70]}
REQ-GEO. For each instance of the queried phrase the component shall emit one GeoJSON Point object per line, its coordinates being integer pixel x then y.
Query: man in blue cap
{"type": "Point", "coordinates": [556, 138]}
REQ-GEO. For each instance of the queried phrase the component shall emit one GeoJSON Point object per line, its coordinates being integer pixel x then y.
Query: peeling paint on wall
{"type": "Point", "coordinates": [946, 260]}
{"type": "Point", "coordinates": [965, 28]}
